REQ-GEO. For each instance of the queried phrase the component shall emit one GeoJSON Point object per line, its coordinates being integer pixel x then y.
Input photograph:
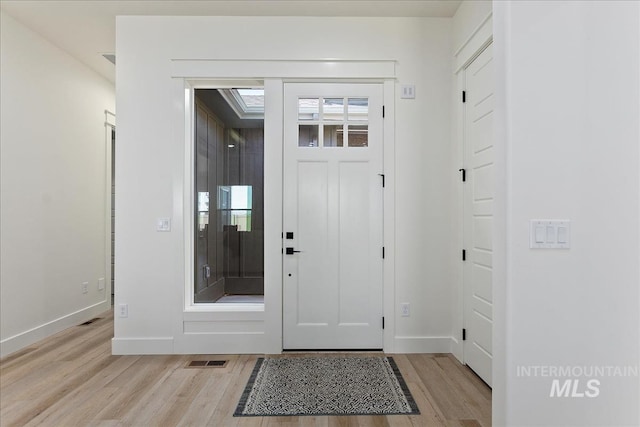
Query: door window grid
{"type": "Point", "coordinates": [326, 123]}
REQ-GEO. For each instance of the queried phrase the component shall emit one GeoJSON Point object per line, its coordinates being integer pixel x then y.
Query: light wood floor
{"type": "Point", "coordinates": [71, 379]}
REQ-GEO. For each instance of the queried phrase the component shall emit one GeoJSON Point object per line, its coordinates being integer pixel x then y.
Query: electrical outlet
{"type": "Point", "coordinates": [85, 287]}
{"type": "Point", "coordinates": [101, 284]}
{"type": "Point", "coordinates": [123, 310]}
{"type": "Point", "coordinates": [404, 309]}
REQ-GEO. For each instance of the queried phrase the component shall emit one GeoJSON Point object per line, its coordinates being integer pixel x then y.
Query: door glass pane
{"type": "Point", "coordinates": [333, 135]}
{"type": "Point", "coordinates": [307, 135]}
{"type": "Point", "coordinates": [308, 109]}
{"type": "Point", "coordinates": [333, 109]}
{"type": "Point", "coordinates": [358, 109]}
{"type": "Point", "coordinates": [358, 136]}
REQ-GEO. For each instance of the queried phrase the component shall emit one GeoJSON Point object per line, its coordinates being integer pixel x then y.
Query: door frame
{"type": "Point", "coordinates": [477, 42]}
{"type": "Point", "coordinates": [110, 128]}
{"type": "Point", "coordinates": [266, 322]}
{"type": "Point", "coordinates": [466, 204]}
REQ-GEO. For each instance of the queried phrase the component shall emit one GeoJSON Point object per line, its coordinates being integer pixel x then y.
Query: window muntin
{"type": "Point", "coordinates": [333, 122]}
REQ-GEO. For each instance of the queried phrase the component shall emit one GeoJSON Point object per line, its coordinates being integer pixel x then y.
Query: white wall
{"type": "Point", "coordinates": [467, 20]}
{"type": "Point", "coordinates": [150, 265]}
{"type": "Point", "coordinates": [52, 188]}
{"type": "Point", "coordinates": [567, 112]}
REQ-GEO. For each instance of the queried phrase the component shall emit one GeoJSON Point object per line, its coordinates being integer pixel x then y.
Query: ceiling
{"type": "Point", "coordinates": [86, 28]}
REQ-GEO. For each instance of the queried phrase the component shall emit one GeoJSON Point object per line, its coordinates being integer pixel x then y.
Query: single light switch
{"type": "Point", "coordinates": [551, 234]}
{"type": "Point", "coordinates": [562, 234]}
{"type": "Point", "coordinates": [539, 234]}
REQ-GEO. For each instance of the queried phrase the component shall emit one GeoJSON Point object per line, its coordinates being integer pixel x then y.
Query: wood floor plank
{"type": "Point", "coordinates": [48, 352]}
{"type": "Point", "coordinates": [223, 415]}
{"type": "Point", "coordinates": [71, 379]}
{"type": "Point", "coordinates": [313, 422]}
{"type": "Point", "coordinates": [57, 389]}
{"type": "Point", "coordinates": [475, 396]}
{"type": "Point", "coordinates": [372, 421]}
{"type": "Point", "coordinates": [206, 401]}
{"type": "Point", "coordinates": [446, 400]}
{"type": "Point", "coordinates": [147, 409]}
{"type": "Point", "coordinates": [174, 410]}
{"type": "Point", "coordinates": [134, 384]}
{"type": "Point", "coordinates": [429, 412]}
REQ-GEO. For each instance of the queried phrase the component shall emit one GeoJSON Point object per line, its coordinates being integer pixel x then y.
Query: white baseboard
{"type": "Point", "coordinates": [26, 338]}
{"type": "Point", "coordinates": [422, 345]}
{"type": "Point", "coordinates": [213, 343]}
{"type": "Point", "coordinates": [221, 343]}
{"type": "Point", "coordinates": [139, 346]}
{"type": "Point", "coordinates": [456, 349]}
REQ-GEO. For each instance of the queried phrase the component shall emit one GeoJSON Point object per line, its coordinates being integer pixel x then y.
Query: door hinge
{"type": "Point", "coordinates": [383, 252]}
{"type": "Point", "coordinates": [464, 335]}
{"type": "Point", "coordinates": [464, 96]}
{"type": "Point", "coordinates": [382, 322]}
{"type": "Point", "coordinates": [383, 111]}
{"type": "Point", "coordinates": [382, 175]}
{"type": "Point", "coordinates": [464, 255]}
{"type": "Point", "coordinates": [464, 174]}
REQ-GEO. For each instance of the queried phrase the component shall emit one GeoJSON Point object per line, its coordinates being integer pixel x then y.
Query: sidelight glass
{"type": "Point", "coordinates": [235, 205]}
{"type": "Point", "coordinates": [229, 196]}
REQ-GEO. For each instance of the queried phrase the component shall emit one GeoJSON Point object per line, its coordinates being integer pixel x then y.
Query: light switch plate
{"type": "Point", "coordinates": [550, 234]}
{"type": "Point", "coordinates": [163, 224]}
{"type": "Point", "coordinates": [408, 91]}
{"type": "Point", "coordinates": [404, 309]}
{"type": "Point", "coordinates": [123, 310]}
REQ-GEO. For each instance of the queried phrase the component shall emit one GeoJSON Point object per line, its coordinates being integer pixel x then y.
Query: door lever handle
{"type": "Point", "coordinates": [291, 251]}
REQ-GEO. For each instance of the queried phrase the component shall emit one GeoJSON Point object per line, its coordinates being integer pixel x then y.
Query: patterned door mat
{"type": "Point", "coordinates": [326, 386]}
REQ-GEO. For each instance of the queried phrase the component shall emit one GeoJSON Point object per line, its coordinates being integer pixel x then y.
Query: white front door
{"type": "Point", "coordinates": [478, 215]}
{"type": "Point", "coordinates": [332, 216]}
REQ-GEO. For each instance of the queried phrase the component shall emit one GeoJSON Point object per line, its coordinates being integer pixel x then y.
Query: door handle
{"type": "Point", "coordinates": [291, 251]}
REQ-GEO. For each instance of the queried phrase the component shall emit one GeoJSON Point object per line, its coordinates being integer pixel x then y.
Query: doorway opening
{"type": "Point", "coordinates": [229, 195]}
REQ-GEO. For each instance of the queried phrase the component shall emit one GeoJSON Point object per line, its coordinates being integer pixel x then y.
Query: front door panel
{"type": "Point", "coordinates": [333, 207]}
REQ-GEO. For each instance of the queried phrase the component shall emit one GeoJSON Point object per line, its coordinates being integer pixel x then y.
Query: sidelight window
{"type": "Point", "coordinates": [229, 200]}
